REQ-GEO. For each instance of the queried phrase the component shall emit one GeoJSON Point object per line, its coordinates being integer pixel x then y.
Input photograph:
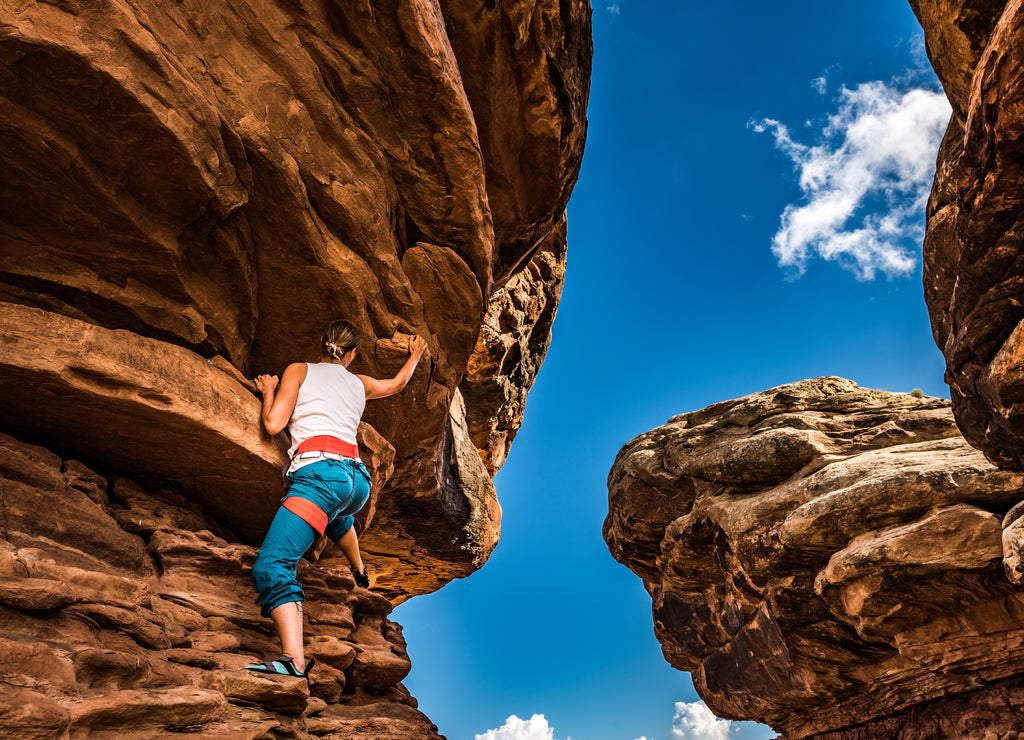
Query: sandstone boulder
{"type": "Point", "coordinates": [822, 557]}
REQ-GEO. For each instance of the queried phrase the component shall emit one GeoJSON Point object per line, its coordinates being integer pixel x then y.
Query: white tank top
{"type": "Point", "coordinates": [330, 401]}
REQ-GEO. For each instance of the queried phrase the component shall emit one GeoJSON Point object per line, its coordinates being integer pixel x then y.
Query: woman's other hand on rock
{"type": "Point", "coordinates": [266, 383]}
{"type": "Point", "coordinates": [417, 346]}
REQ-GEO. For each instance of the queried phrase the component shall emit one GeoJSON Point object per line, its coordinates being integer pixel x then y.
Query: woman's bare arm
{"type": "Point", "coordinates": [383, 388]}
{"type": "Point", "coordinates": [279, 402]}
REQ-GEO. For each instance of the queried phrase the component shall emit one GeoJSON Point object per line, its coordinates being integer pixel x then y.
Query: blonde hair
{"type": "Point", "coordinates": [338, 339]}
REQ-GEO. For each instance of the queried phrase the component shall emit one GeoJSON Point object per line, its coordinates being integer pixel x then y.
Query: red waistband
{"type": "Point", "coordinates": [307, 511]}
{"type": "Point", "coordinates": [326, 443]}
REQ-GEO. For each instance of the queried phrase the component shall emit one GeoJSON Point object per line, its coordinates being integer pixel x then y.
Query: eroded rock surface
{"type": "Point", "coordinates": [514, 340]}
{"type": "Point", "coordinates": [829, 559]}
{"type": "Point", "coordinates": [190, 193]}
{"type": "Point", "coordinates": [128, 613]}
{"type": "Point", "coordinates": [973, 262]}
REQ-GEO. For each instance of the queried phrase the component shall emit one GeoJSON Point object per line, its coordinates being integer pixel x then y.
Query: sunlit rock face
{"type": "Point", "coordinates": [973, 262]}
{"type": "Point", "coordinates": [829, 560]}
{"type": "Point", "coordinates": [190, 193]}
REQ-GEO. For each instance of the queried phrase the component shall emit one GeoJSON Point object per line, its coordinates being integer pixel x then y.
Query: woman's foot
{"type": "Point", "coordinates": [283, 666]}
{"type": "Point", "coordinates": [362, 579]}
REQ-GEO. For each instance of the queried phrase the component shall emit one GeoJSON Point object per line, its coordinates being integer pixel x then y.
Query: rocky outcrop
{"type": "Point", "coordinates": [830, 560]}
{"type": "Point", "coordinates": [189, 194]}
{"type": "Point", "coordinates": [128, 613]}
{"type": "Point", "coordinates": [973, 262]}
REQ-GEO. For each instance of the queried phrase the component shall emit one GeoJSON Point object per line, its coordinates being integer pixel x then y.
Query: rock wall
{"type": "Point", "coordinates": [514, 340]}
{"type": "Point", "coordinates": [831, 561]}
{"type": "Point", "coordinates": [189, 194]}
{"type": "Point", "coordinates": [127, 613]}
{"type": "Point", "coordinates": [973, 261]}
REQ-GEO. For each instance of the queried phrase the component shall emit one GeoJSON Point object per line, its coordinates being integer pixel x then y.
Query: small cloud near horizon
{"type": "Point", "coordinates": [694, 721]}
{"type": "Point", "coordinates": [865, 178]}
{"type": "Point", "coordinates": [535, 728]}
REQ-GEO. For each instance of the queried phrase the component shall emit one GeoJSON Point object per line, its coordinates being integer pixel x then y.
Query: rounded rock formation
{"type": "Point", "coordinates": [828, 560]}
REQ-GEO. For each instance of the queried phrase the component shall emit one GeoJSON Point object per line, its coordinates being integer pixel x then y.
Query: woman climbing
{"type": "Point", "coordinates": [321, 404]}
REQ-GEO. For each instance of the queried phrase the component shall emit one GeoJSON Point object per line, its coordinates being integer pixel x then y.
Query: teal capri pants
{"type": "Point", "coordinates": [339, 488]}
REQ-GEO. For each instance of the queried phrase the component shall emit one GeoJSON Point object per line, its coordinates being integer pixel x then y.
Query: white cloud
{"type": "Point", "coordinates": [694, 721]}
{"type": "Point", "coordinates": [615, 8]}
{"type": "Point", "coordinates": [865, 179]}
{"type": "Point", "coordinates": [535, 728]}
{"type": "Point", "coordinates": [820, 84]}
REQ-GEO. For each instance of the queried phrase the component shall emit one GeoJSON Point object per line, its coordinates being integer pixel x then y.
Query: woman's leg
{"type": "Point", "coordinates": [349, 545]}
{"type": "Point", "coordinates": [341, 529]}
{"type": "Point", "coordinates": [288, 621]}
{"type": "Point", "coordinates": [279, 593]}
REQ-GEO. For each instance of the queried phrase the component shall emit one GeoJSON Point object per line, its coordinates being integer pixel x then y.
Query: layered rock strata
{"type": "Point", "coordinates": [190, 193]}
{"type": "Point", "coordinates": [829, 560]}
{"type": "Point", "coordinates": [128, 613]}
{"type": "Point", "coordinates": [973, 261]}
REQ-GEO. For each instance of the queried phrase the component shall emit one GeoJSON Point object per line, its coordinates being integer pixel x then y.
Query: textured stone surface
{"type": "Point", "coordinates": [822, 557]}
{"type": "Point", "coordinates": [973, 263]}
{"type": "Point", "coordinates": [979, 715]}
{"type": "Point", "coordinates": [189, 194]}
{"type": "Point", "coordinates": [147, 637]}
{"type": "Point", "coordinates": [514, 340]}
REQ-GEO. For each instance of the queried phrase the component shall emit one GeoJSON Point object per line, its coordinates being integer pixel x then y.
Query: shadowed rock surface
{"type": "Point", "coordinates": [829, 560]}
{"type": "Point", "coordinates": [973, 261]}
{"type": "Point", "coordinates": [189, 194]}
{"type": "Point", "coordinates": [128, 613]}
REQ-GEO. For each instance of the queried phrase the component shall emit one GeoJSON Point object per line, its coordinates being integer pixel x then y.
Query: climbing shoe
{"type": "Point", "coordinates": [361, 578]}
{"type": "Point", "coordinates": [283, 666]}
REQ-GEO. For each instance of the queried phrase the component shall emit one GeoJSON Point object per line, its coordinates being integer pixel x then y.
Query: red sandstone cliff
{"type": "Point", "coordinates": [188, 194]}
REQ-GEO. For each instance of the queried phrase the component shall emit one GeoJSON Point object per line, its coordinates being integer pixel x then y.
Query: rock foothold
{"type": "Point", "coordinates": [822, 556]}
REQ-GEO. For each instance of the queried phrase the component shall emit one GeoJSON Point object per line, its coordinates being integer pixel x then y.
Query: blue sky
{"type": "Point", "coordinates": [731, 145]}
